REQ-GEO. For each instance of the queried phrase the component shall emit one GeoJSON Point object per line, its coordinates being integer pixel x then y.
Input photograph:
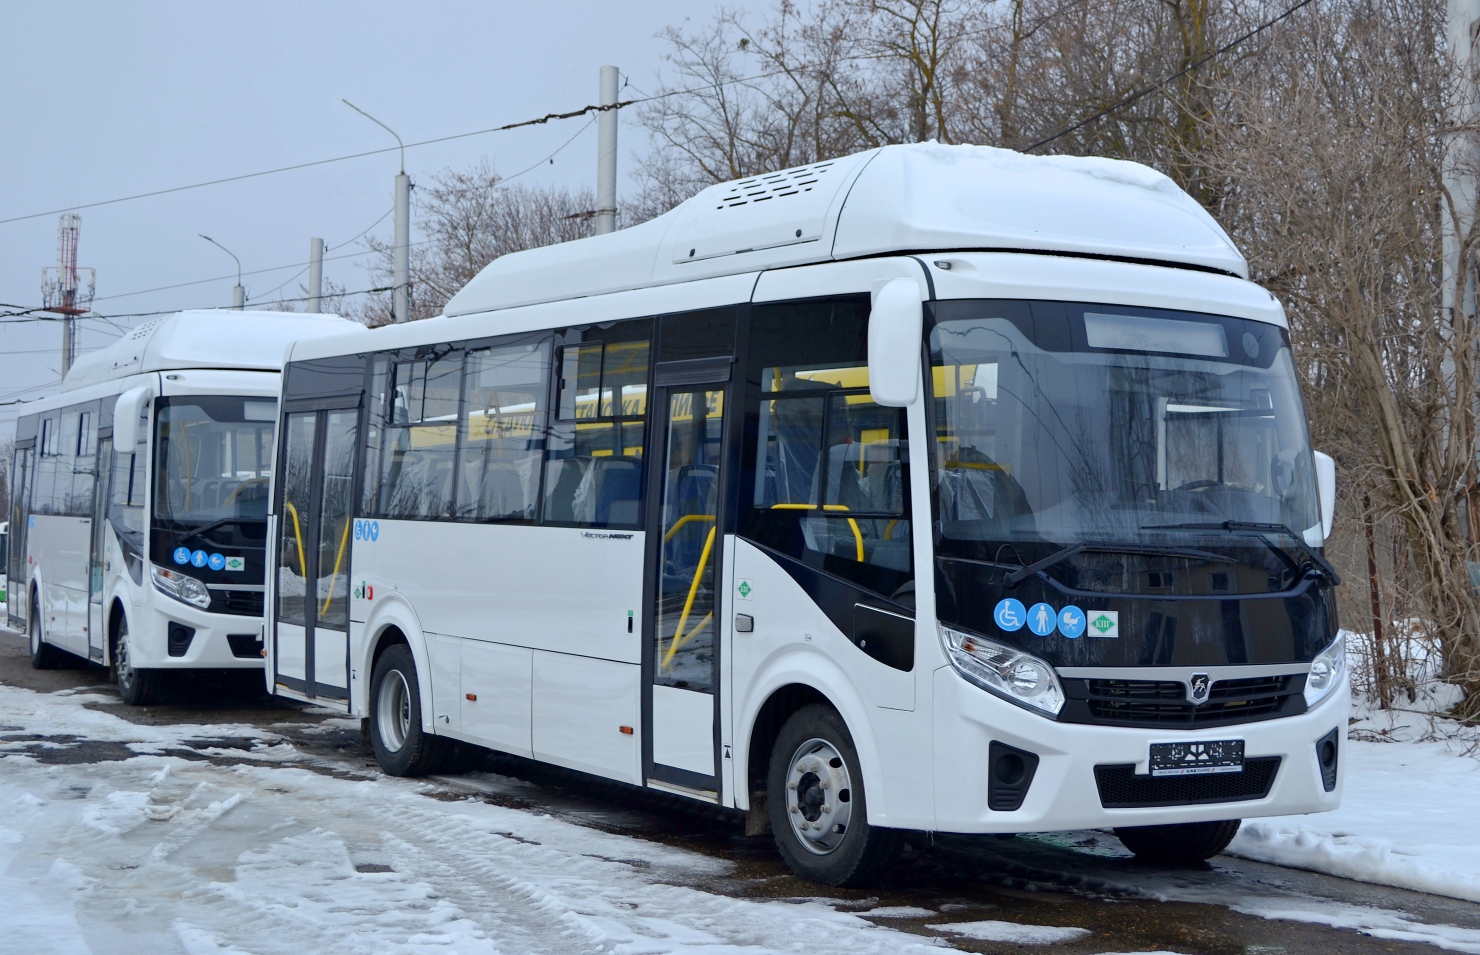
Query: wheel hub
{"type": "Point", "coordinates": [393, 711]}
{"type": "Point", "coordinates": [819, 796]}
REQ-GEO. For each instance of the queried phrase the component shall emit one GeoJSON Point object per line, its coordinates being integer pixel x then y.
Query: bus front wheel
{"type": "Point", "coordinates": [1184, 843]}
{"type": "Point", "coordinates": [138, 687]}
{"type": "Point", "coordinates": [401, 746]}
{"type": "Point", "coordinates": [44, 656]}
{"type": "Point", "coordinates": [817, 804]}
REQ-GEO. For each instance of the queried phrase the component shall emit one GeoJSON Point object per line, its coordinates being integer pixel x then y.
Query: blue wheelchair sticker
{"type": "Point", "coordinates": [216, 561]}
{"type": "Point", "coordinates": [1010, 614]}
{"type": "Point", "coordinates": [182, 555]}
{"type": "Point", "coordinates": [1042, 619]}
{"type": "Point", "coordinates": [198, 559]}
{"type": "Point", "coordinates": [367, 530]}
{"type": "Point", "coordinates": [1071, 622]}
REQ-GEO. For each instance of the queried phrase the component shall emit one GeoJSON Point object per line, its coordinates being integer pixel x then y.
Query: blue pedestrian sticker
{"type": "Point", "coordinates": [216, 561]}
{"type": "Point", "coordinates": [1010, 614]}
{"type": "Point", "coordinates": [199, 558]}
{"type": "Point", "coordinates": [1071, 622]}
{"type": "Point", "coordinates": [1042, 619]}
{"type": "Point", "coordinates": [182, 555]}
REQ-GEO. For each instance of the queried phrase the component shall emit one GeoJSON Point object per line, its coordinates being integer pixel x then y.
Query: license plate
{"type": "Point", "coordinates": [1197, 759]}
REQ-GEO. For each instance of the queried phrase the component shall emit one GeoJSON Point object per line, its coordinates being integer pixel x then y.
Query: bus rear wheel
{"type": "Point", "coordinates": [1184, 843]}
{"type": "Point", "coordinates": [137, 687]}
{"type": "Point", "coordinates": [44, 656]}
{"type": "Point", "coordinates": [401, 746]}
{"type": "Point", "coordinates": [818, 808]}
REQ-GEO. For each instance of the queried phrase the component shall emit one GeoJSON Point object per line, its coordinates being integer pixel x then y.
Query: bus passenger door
{"type": "Point", "coordinates": [685, 534]}
{"type": "Point", "coordinates": [311, 616]}
{"type": "Point", "coordinates": [18, 575]}
{"type": "Point", "coordinates": [96, 578]}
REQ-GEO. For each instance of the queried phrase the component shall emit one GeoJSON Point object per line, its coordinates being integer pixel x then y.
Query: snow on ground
{"type": "Point", "coordinates": [992, 930]}
{"type": "Point", "coordinates": [1410, 815]}
{"type": "Point", "coordinates": [162, 855]}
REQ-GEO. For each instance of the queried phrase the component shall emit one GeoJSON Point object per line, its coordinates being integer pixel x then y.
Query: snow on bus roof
{"type": "Point", "coordinates": [895, 199]}
{"type": "Point", "coordinates": [204, 338]}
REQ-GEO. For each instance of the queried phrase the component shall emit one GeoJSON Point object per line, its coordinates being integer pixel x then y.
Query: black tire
{"type": "Point", "coordinates": [815, 751]}
{"type": "Point", "coordinates": [44, 656]}
{"type": "Point", "coordinates": [138, 687]}
{"type": "Point", "coordinates": [401, 746]}
{"type": "Point", "coordinates": [1186, 843]}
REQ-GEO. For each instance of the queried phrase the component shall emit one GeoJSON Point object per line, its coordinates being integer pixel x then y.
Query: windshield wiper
{"type": "Point", "coordinates": [206, 528]}
{"type": "Point", "coordinates": [1064, 553]}
{"type": "Point", "coordinates": [1320, 563]}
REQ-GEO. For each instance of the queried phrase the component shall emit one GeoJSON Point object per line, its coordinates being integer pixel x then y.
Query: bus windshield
{"type": "Point", "coordinates": [213, 458]}
{"type": "Point", "coordinates": [1061, 423]}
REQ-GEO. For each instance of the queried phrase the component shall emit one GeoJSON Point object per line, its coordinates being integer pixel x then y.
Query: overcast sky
{"type": "Point", "coordinates": [102, 100]}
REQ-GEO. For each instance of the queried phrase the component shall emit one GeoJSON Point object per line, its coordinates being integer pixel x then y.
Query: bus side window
{"type": "Point", "coordinates": [418, 433]}
{"type": "Point", "coordinates": [827, 469]}
{"type": "Point", "coordinates": [503, 432]}
{"type": "Point", "coordinates": [594, 456]}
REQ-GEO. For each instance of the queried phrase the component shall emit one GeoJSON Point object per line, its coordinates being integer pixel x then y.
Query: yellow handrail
{"type": "Point", "coordinates": [338, 559]}
{"type": "Point", "coordinates": [684, 520]}
{"type": "Point", "coordinates": [857, 534]}
{"type": "Point", "coordinates": [298, 538]}
{"type": "Point", "coordinates": [683, 618]}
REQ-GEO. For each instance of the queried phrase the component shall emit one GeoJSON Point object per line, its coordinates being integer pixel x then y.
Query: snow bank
{"type": "Point", "coordinates": [1408, 816]}
{"type": "Point", "coordinates": [992, 930]}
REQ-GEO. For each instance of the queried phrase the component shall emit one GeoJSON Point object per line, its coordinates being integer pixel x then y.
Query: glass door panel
{"type": "Point", "coordinates": [685, 644]}
{"type": "Point", "coordinates": [293, 567]}
{"type": "Point", "coordinates": [329, 662]}
{"type": "Point", "coordinates": [96, 577]}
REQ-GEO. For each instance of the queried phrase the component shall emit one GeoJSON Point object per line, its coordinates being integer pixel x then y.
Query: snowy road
{"type": "Point", "coordinates": [225, 824]}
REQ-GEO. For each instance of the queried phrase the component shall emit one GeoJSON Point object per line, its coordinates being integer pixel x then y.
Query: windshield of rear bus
{"type": "Point", "coordinates": [1059, 423]}
{"type": "Point", "coordinates": [213, 458]}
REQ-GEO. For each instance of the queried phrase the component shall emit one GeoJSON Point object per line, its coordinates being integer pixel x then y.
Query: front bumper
{"type": "Point", "coordinates": [210, 646]}
{"type": "Point", "coordinates": [1064, 793]}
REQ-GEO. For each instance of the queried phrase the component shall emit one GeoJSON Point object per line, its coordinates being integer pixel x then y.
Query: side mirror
{"type": "Point", "coordinates": [894, 328]}
{"type": "Point", "coordinates": [126, 418]}
{"type": "Point", "coordinates": [1326, 486]}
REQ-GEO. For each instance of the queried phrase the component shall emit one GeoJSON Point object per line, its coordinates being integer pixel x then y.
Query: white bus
{"type": "Point", "coordinates": [931, 488]}
{"type": "Point", "coordinates": [150, 560]}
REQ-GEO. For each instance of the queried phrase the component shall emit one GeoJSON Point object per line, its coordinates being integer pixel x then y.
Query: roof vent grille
{"type": "Point", "coordinates": [776, 185]}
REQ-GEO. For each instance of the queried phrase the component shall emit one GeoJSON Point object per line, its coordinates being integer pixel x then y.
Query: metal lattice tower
{"type": "Point", "coordinates": [62, 291]}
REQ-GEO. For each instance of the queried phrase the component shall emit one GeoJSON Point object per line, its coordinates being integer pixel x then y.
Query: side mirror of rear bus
{"type": "Point", "coordinates": [126, 417]}
{"type": "Point", "coordinates": [894, 328]}
{"type": "Point", "coordinates": [1326, 487]}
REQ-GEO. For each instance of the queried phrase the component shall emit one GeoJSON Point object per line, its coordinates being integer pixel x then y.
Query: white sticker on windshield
{"type": "Point", "coordinates": [1103, 623]}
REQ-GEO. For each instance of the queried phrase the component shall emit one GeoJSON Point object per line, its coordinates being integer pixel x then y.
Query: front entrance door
{"type": "Point", "coordinates": [687, 531]}
{"type": "Point", "coordinates": [18, 575]}
{"type": "Point", "coordinates": [99, 550]}
{"type": "Point", "coordinates": [311, 615]}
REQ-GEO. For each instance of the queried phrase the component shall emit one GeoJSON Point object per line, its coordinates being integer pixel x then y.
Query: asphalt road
{"type": "Point", "coordinates": [1081, 879]}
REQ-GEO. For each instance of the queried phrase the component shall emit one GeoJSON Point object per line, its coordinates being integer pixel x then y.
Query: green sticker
{"type": "Point", "coordinates": [744, 589]}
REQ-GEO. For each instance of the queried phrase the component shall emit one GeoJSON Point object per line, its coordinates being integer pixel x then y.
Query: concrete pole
{"type": "Point", "coordinates": [315, 273]}
{"type": "Point", "coordinates": [606, 155]}
{"type": "Point", "coordinates": [238, 297]}
{"type": "Point", "coordinates": [401, 278]}
{"type": "Point", "coordinates": [69, 343]}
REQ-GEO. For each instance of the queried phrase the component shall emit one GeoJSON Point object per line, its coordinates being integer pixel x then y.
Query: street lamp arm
{"type": "Point", "coordinates": [228, 252]}
{"type": "Point", "coordinates": [382, 126]}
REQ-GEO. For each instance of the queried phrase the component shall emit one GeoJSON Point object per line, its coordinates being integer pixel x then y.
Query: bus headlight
{"type": "Point", "coordinates": [181, 586]}
{"type": "Point", "coordinates": [1010, 673]}
{"type": "Point", "coordinates": [1325, 672]}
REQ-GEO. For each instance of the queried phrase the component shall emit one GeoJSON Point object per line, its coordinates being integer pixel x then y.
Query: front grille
{"type": "Point", "coordinates": [1164, 703]}
{"type": "Point", "coordinates": [243, 603]}
{"type": "Point", "coordinates": [1121, 788]}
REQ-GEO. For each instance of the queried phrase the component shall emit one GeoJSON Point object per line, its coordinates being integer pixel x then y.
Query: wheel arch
{"type": "Point", "coordinates": [393, 622]}
{"type": "Point", "coordinates": [788, 684]}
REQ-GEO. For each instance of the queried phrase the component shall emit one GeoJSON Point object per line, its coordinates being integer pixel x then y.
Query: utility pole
{"type": "Point", "coordinates": [606, 154]}
{"type": "Point", "coordinates": [61, 290]}
{"type": "Point", "coordinates": [238, 293]}
{"type": "Point", "coordinates": [401, 261]}
{"type": "Point", "coordinates": [315, 273]}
